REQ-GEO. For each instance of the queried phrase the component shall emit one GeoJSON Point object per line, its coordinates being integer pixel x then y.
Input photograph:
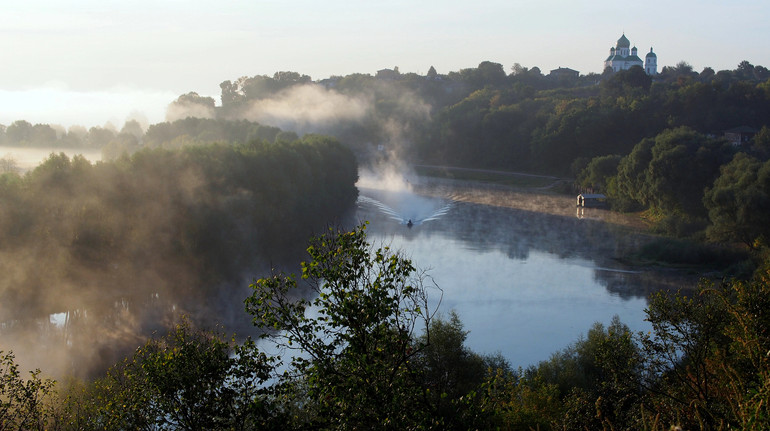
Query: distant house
{"type": "Point", "coordinates": [387, 74]}
{"type": "Point", "coordinates": [740, 135]}
{"type": "Point", "coordinates": [591, 200]}
{"type": "Point", "coordinates": [564, 73]}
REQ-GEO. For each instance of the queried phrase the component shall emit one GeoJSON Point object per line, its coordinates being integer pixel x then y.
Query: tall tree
{"type": "Point", "coordinates": [187, 380]}
{"type": "Point", "coordinates": [739, 201]}
{"type": "Point", "coordinates": [22, 398]}
{"type": "Point", "coordinates": [354, 337]}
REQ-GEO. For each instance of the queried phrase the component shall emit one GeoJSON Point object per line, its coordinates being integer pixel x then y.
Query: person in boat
{"type": "Point", "coordinates": [409, 223]}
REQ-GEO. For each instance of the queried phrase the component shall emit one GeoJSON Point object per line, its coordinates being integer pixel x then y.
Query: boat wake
{"type": "Point", "coordinates": [411, 210]}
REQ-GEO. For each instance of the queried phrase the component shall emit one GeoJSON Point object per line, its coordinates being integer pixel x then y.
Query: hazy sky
{"type": "Point", "coordinates": [87, 62]}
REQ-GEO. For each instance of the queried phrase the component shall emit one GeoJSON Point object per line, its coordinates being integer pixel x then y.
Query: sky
{"type": "Point", "coordinates": [89, 62]}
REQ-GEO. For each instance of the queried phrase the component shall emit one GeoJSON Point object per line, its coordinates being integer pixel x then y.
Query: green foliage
{"type": "Point", "coordinates": [448, 369]}
{"type": "Point", "coordinates": [196, 131]}
{"type": "Point", "coordinates": [739, 201]}
{"type": "Point", "coordinates": [749, 332]}
{"type": "Point", "coordinates": [354, 337]}
{"type": "Point", "coordinates": [598, 378]}
{"type": "Point", "coordinates": [683, 164]}
{"type": "Point", "coordinates": [633, 82]}
{"type": "Point", "coordinates": [761, 144]}
{"type": "Point", "coordinates": [595, 383]}
{"type": "Point", "coordinates": [670, 175]}
{"type": "Point", "coordinates": [8, 165]}
{"type": "Point", "coordinates": [189, 380]}
{"type": "Point", "coordinates": [23, 399]}
{"type": "Point", "coordinates": [598, 172]}
{"type": "Point", "coordinates": [557, 124]}
{"type": "Point", "coordinates": [521, 404]}
{"type": "Point", "coordinates": [704, 365]}
{"type": "Point", "coordinates": [707, 362]}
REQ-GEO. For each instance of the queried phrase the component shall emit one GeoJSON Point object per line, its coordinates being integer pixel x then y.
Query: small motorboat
{"type": "Point", "coordinates": [409, 223]}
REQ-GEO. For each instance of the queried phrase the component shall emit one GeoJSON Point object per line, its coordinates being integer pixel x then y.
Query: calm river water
{"type": "Point", "coordinates": [526, 273]}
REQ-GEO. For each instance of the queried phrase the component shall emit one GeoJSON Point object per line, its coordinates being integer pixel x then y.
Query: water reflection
{"type": "Point", "coordinates": [525, 283]}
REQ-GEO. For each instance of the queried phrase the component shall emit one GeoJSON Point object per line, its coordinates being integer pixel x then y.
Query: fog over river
{"type": "Point", "coordinates": [526, 272]}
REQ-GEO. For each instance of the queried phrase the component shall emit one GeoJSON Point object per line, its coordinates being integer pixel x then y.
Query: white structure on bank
{"type": "Point", "coordinates": [623, 57]}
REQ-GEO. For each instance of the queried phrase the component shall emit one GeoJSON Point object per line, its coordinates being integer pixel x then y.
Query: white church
{"type": "Point", "coordinates": [622, 57]}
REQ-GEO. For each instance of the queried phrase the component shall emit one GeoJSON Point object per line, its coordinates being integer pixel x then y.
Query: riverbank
{"type": "Point", "coordinates": [543, 194]}
{"type": "Point", "coordinates": [523, 191]}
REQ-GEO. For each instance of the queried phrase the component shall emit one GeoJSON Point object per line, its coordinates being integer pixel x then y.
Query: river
{"type": "Point", "coordinates": [526, 272]}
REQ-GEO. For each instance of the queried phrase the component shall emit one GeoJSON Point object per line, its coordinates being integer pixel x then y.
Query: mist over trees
{"type": "Point", "coordinates": [120, 246]}
{"type": "Point", "coordinates": [22, 133]}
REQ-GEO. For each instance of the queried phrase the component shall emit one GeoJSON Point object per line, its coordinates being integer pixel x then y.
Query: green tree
{"type": "Point", "coordinates": [670, 173]}
{"type": "Point", "coordinates": [449, 369]}
{"type": "Point", "coordinates": [633, 82]}
{"type": "Point", "coordinates": [739, 201]}
{"type": "Point", "coordinates": [288, 78]}
{"type": "Point", "coordinates": [23, 400]}
{"type": "Point", "coordinates": [8, 165]}
{"type": "Point", "coordinates": [190, 380]}
{"type": "Point", "coordinates": [516, 403]}
{"type": "Point", "coordinates": [286, 137]}
{"type": "Point", "coordinates": [748, 376]}
{"type": "Point", "coordinates": [599, 171]}
{"type": "Point", "coordinates": [99, 137]}
{"type": "Point", "coordinates": [706, 358]}
{"type": "Point", "coordinates": [761, 143]}
{"type": "Point", "coordinates": [19, 132]}
{"type": "Point", "coordinates": [354, 339]}
{"type": "Point", "coordinates": [190, 105]}
{"type": "Point", "coordinates": [680, 350]}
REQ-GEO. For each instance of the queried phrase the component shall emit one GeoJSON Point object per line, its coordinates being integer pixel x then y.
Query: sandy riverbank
{"type": "Point", "coordinates": [535, 200]}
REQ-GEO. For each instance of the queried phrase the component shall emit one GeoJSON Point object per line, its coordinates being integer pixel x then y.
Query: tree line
{"type": "Point", "coordinates": [475, 117]}
{"type": "Point", "coordinates": [368, 351]}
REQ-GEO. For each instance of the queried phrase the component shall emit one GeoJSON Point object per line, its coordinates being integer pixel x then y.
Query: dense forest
{"type": "Point", "coordinates": [187, 205]}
